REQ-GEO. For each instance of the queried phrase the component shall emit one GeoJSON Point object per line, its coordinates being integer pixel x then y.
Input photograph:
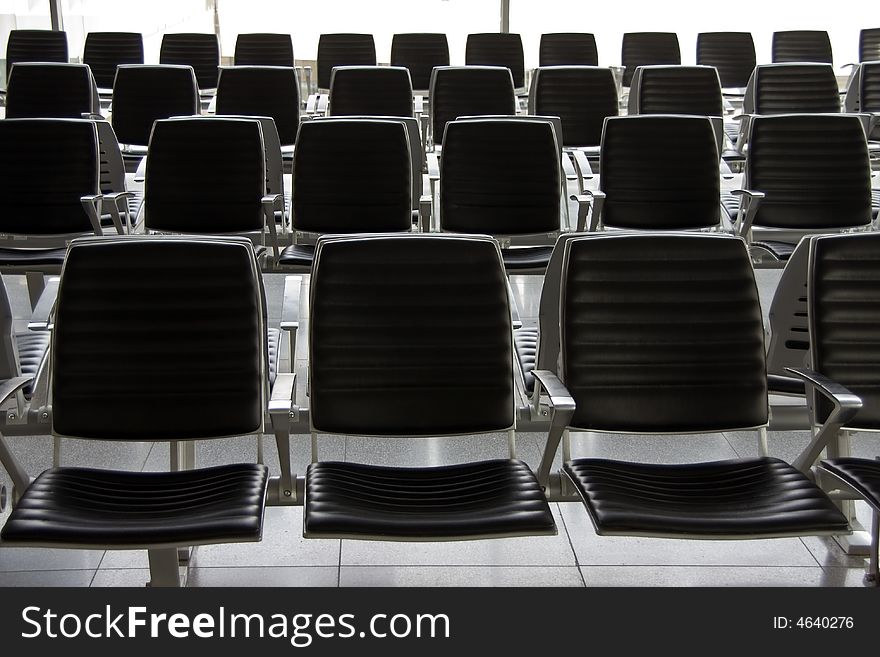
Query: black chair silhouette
{"type": "Point", "coordinates": [792, 88]}
{"type": "Point", "coordinates": [420, 53]}
{"type": "Point", "coordinates": [104, 51]}
{"type": "Point", "coordinates": [371, 90]}
{"type": "Point", "coordinates": [802, 46]}
{"type": "Point", "coordinates": [732, 53]}
{"type": "Point", "coordinates": [35, 46]}
{"type": "Point", "coordinates": [646, 48]}
{"type": "Point", "coordinates": [58, 91]}
{"type": "Point", "coordinates": [568, 49]}
{"type": "Point", "coordinates": [263, 49]}
{"type": "Point", "coordinates": [497, 49]}
{"type": "Point", "coordinates": [343, 50]}
{"type": "Point", "coordinates": [869, 44]}
{"type": "Point", "coordinates": [262, 91]}
{"type": "Point", "coordinates": [201, 51]}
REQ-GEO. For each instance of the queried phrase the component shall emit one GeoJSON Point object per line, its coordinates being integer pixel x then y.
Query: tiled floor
{"type": "Point", "coordinates": [575, 557]}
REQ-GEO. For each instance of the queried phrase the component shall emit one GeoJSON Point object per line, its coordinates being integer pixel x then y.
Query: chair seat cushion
{"type": "Point", "coordinates": [525, 341]}
{"type": "Point", "coordinates": [723, 499]}
{"type": "Point", "coordinates": [779, 250]}
{"type": "Point", "coordinates": [33, 257]}
{"type": "Point", "coordinates": [82, 507]}
{"type": "Point", "coordinates": [527, 257]}
{"type": "Point", "coordinates": [785, 385]}
{"type": "Point", "coordinates": [31, 349]}
{"type": "Point", "coordinates": [298, 255]}
{"type": "Point", "coordinates": [472, 500]}
{"type": "Point", "coordinates": [861, 474]}
{"type": "Point", "coordinates": [273, 340]}
{"type": "Point", "coordinates": [731, 204]}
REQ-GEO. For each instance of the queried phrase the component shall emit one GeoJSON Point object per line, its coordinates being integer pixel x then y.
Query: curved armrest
{"type": "Point", "coordinates": [92, 205]}
{"type": "Point", "coordinates": [270, 202]}
{"type": "Point", "coordinates": [749, 203]}
{"type": "Point", "coordinates": [562, 407]}
{"type": "Point", "coordinates": [281, 411]}
{"type": "Point", "coordinates": [116, 198]}
{"type": "Point", "coordinates": [593, 201]}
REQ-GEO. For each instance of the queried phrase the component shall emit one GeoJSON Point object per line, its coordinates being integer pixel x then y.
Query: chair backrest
{"type": "Point", "coordinates": [262, 91]}
{"type": "Point", "coordinates": [263, 49]}
{"type": "Point", "coordinates": [466, 91]}
{"type": "Point", "coordinates": [272, 150]}
{"type": "Point", "coordinates": [201, 51]}
{"type": "Point", "coordinates": [663, 89]}
{"type": "Point", "coordinates": [868, 90]}
{"type": "Point", "coordinates": [789, 329]}
{"type": "Point", "coordinates": [582, 96]}
{"type": "Point", "coordinates": [205, 175]}
{"type": "Point", "coordinates": [394, 306]}
{"type": "Point", "coordinates": [60, 91]}
{"type": "Point", "coordinates": [377, 90]}
{"type": "Point", "coordinates": [781, 162]}
{"type": "Point", "coordinates": [104, 51]}
{"type": "Point", "coordinates": [188, 338]}
{"type": "Point", "coordinates": [792, 88]}
{"type": "Point", "coordinates": [568, 49]}
{"type": "Point", "coordinates": [500, 176]}
{"type": "Point", "coordinates": [35, 46]}
{"type": "Point", "coordinates": [645, 48]}
{"type": "Point", "coordinates": [420, 53]}
{"type": "Point", "coordinates": [40, 193]}
{"type": "Point", "coordinates": [497, 49]}
{"type": "Point", "coordinates": [143, 94]}
{"type": "Point", "coordinates": [732, 53]}
{"type": "Point", "coordinates": [843, 290]}
{"type": "Point", "coordinates": [681, 346]}
{"type": "Point", "coordinates": [642, 190]}
{"type": "Point", "coordinates": [377, 200]}
{"type": "Point", "coordinates": [341, 49]}
{"type": "Point", "coordinates": [802, 46]}
{"type": "Point", "coordinates": [869, 44]}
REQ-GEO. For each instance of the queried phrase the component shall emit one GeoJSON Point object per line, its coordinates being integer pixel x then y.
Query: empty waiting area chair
{"type": "Point", "coordinates": [420, 53]}
{"type": "Point", "coordinates": [645, 48]}
{"type": "Point", "coordinates": [802, 46]}
{"type": "Point", "coordinates": [732, 53]}
{"type": "Point", "coordinates": [51, 91]}
{"type": "Point", "coordinates": [468, 91]}
{"type": "Point", "coordinates": [262, 91]}
{"type": "Point", "coordinates": [792, 87]}
{"type": "Point", "coordinates": [201, 51]}
{"type": "Point", "coordinates": [497, 49]}
{"type": "Point", "coordinates": [104, 51]}
{"type": "Point", "coordinates": [341, 49]}
{"type": "Point", "coordinates": [263, 49]}
{"type": "Point", "coordinates": [376, 90]}
{"type": "Point", "coordinates": [35, 46]}
{"type": "Point", "coordinates": [869, 44]}
{"type": "Point", "coordinates": [664, 89]}
{"type": "Point", "coordinates": [568, 49]}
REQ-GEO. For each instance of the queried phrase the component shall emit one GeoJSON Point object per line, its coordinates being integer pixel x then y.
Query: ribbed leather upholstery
{"type": "Point", "coordinates": [35, 46]}
{"type": "Point", "coordinates": [41, 194]}
{"type": "Point", "coordinates": [790, 88]}
{"type": "Point", "coordinates": [469, 91]}
{"type": "Point", "coordinates": [525, 341]}
{"type": "Point", "coordinates": [869, 45]}
{"type": "Point", "coordinates": [104, 51]}
{"type": "Point", "coordinates": [343, 50]}
{"type": "Point", "coordinates": [489, 498]}
{"type": "Point", "coordinates": [33, 257]}
{"type": "Point", "coordinates": [377, 200]}
{"type": "Point", "coordinates": [869, 95]}
{"type": "Point", "coordinates": [743, 497]}
{"type": "Point", "coordinates": [263, 49]}
{"type": "Point", "coordinates": [420, 322]}
{"type": "Point", "coordinates": [497, 49]}
{"type": "Point", "coordinates": [185, 194]}
{"type": "Point", "coordinates": [645, 48]}
{"type": "Point", "coordinates": [679, 90]}
{"type": "Point", "coordinates": [144, 94]}
{"type": "Point", "coordinates": [732, 53]}
{"type": "Point", "coordinates": [643, 191]}
{"type": "Point", "coordinates": [299, 256]}
{"type": "Point", "coordinates": [181, 359]}
{"type": "Point", "coordinates": [376, 90]}
{"type": "Point", "coordinates": [663, 333]}
{"type": "Point", "coordinates": [861, 474]}
{"type": "Point", "coordinates": [802, 46]}
{"type": "Point", "coordinates": [262, 91]}
{"type": "Point", "coordinates": [201, 51]}
{"type": "Point", "coordinates": [50, 90]}
{"type": "Point", "coordinates": [582, 96]}
{"type": "Point", "coordinates": [783, 151]}
{"type": "Point", "coordinates": [499, 177]}
{"type": "Point", "coordinates": [843, 295]}
{"type": "Point", "coordinates": [420, 53]}
{"type": "Point", "coordinates": [568, 49]}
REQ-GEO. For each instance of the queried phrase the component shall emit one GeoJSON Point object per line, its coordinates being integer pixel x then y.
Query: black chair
{"type": "Point", "coordinates": [263, 49]}
{"type": "Point", "coordinates": [201, 51]}
{"type": "Point", "coordinates": [792, 88]}
{"type": "Point", "coordinates": [343, 50]}
{"type": "Point", "coordinates": [732, 53]}
{"type": "Point", "coordinates": [371, 90]}
{"type": "Point", "coordinates": [863, 94]}
{"type": "Point", "coordinates": [160, 344]}
{"type": "Point", "coordinates": [467, 91]}
{"type": "Point", "coordinates": [405, 327]}
{"type": "Point", "coordinates": [497, 49]}
{"type": "Point", "coordinates": [104, 51]}
{"type": "Point", "coordinates": [420, 53]}
{"type": "Point", "coordinates": [663, 89]}
{"type": "Point", "coordinates": [802, 46]}
{"type": "Point", "coordinates": [679, 351]}
{"type": "Point", "coordinates": [568, 49]}
{"type": "Point", "coordinates": [262, 91]}
{"type": "Point", "coordinates": [58, 91]}
{"type": "Point", "coordinates": [646, 48]}
{"type": "Point", "coordinates": [35, 46]}
{"type": "Point", "coordinates": [869, 44]}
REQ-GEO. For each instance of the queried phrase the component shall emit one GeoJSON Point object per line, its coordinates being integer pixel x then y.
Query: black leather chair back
{"type": "Point", "coordinates": [582, 96]}
{"type": "Point", "coordinates": [497, 49]}
{"type": "Point", "coordinates": [802, 46]}
{"type": "Point", "coordinates": [343, 50]}
{"type": "Point", "coordinates": [646, 48]}
{"type": "Point", "coordinates": [469, 91]}
{"type": "Point", "coordinates": [869, 93]}
{"type": "Point", "coordinates": [410, 335]}
{"type": "Point", "coordinates": [143, 94]}
{"type": "Point", "coordinates": [376, 90]}
{"type": "Point", "coordinates": [662, 333]}
{"type": "Point", "coordinates": [420, 53]}
{"type": "Point", "coordinates": [263, 49]}
{"type": "Point", "coordinates": [869, 45]}
{"type": "Point", "coordinates": [783, 152]}
{"type": "Point", "coordinates": [378, 199]}
{"type": "Point", "coordinates": [177, 352]}
{"type": "Point", "coordinates": [678, 90]}
{"type": "Point", "coordinates": [568, 49]}
{"type": "Point", "coordinates": [46, 165]}
{"type": "Point", "coordinates": [732, 53]}
{"type": "Point", "coordinates": [262, 91]}
{"type": "Point", "coordinates": [35, 46]}
{"type": "Point", "coordinates": [793, 88]}
{"type": "Point", "coordinates": [104, 51]}
{"type": "Point", "coordinates": [205, 175]}
{"type": "Point", "coordinates": [201, 51]}
{"type": "Point", "coordinates": [58, 91]}
{"type": "Point", "coordinates": [660, 172]}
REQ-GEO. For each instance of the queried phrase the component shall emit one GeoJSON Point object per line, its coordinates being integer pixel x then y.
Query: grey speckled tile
{"type": "Point", "coordinates": [47, 559]}
{"type": "Point", "coordinates": [459, 576]}
{"type": "Point", "coordinates": [68, 578]}
{"type": "Point", "coordinates": [704, 576]}
{"type": "Point", "coordinates": [236, 577]}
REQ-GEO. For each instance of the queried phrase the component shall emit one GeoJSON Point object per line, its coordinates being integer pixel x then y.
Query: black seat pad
{"type": "Point", "coordinates": [33, 257]}
{"type": "Point", "coordinates": [730, 202]}
{"type": "Point", "coordinates": [525, 341]}
{"type": "Point", "coordinates": [736, 498]}
{"type": "Point", "coordinates": [527, 257]}
{"type": "Point", "coordinates": [779, 250]}
{"type": "Point", "coordinates": [861, 474]}
{"type": "Point", "coordinates": [786, 385]}
{"type": "Point", "coordinates": [472, 500]}
{"type": "Point", "coordinates": [82, 507]}
{"type": "Point", "coordinates": [298, 255]}
{"type": "Point", "coordinates": [31, 349]}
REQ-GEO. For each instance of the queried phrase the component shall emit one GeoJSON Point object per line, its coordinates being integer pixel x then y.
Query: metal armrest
{"type": "Point", "coordinates": [141, 173]}
{"type": "Point", "coordinates": [593, 201]}
{"type": "Point", "coordinates": [270, 202]}
{"type": "Point", "coordinates": [562, 407]}
{"type": "Point", "coordinates": [116, 198]}
{"type": "Point", "coordinates": [846, 405]}
{"type": "Point", "coordinates": [17, 473]}
{"type": "Point", "coordinates": [426, 209]}
{"type": "Point", "coordinates": [582, 166]}
{"type": "Point", "coordinates": [41, 319]}
{"type": "Point", "coordinates": [290, 311]}
{"type": "Point", "coordinates": [749, 203]}
{"type": "Point", "coordinates": [745, 124]}
{"type": "Point", "coordinates": [281, 410]}
{"type": "Point", "coordinates": [92, 205]}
